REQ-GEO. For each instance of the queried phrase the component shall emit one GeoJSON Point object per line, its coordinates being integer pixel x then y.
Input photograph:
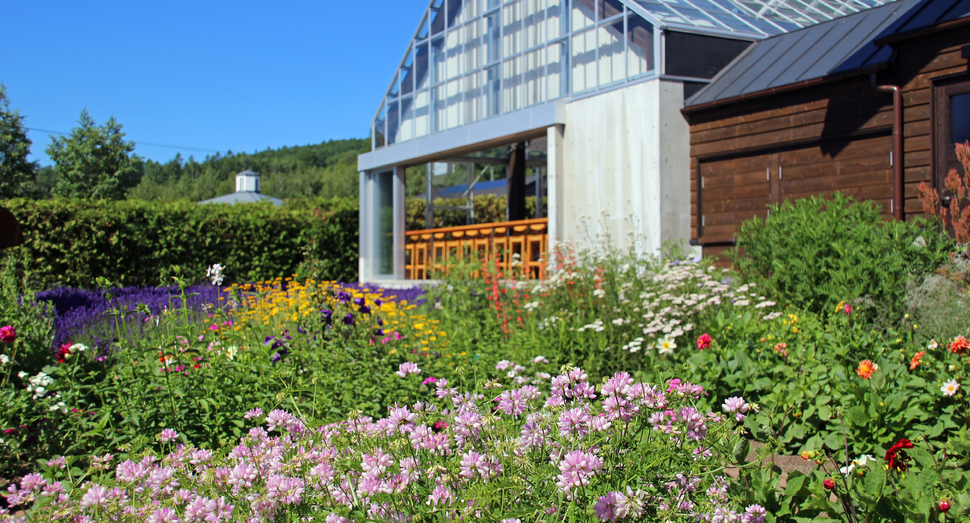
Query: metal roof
{"type": "Point", "coordinates": [243, 197]}
{"type": "Point", "coordinates": [832, 48]}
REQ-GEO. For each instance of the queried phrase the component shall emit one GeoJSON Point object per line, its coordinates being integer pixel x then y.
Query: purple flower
{"type": "Point", "coordinates": [327, 315]}
{"type": "Point", "coordinates": [576, 469]}
{"type": "Point", "coordinates": [343, 297]}
{"type": "Point", "coordinates": [349, 319]}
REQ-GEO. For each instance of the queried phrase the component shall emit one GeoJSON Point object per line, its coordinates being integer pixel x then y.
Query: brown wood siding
{"type": "Point", "coordinates": [834, 137]}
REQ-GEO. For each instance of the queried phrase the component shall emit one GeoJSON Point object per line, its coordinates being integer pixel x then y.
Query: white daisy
{"type": "Point", "coordinates": [949, 388]}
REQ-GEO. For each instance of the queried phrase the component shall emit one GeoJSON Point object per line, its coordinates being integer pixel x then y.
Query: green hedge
{"type": "Point", "coordinates": [73, 242]}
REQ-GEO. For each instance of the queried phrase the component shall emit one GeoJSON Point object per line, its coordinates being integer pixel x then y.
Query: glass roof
{"type": "Point", "coordinates": [471, 60]}
{"type": "Point", "coordinates": [746, 17]}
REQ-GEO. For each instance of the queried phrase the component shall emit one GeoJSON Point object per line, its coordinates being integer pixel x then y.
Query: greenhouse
{"type": "Point", "coordinates": [583, 95]}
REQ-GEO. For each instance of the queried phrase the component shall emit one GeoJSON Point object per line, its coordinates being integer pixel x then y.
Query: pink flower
{"type": "Point", "coordinates": [167, 436]}
{"type": "Point", "coordinates": [429, 381]}
{"type": "Point", "coordinates": [8, 334]}
{"type": "Point", "coordinates": [847, 309]}
{"type": "Point", "coordinates": [673, 384]}
{"type": "Point", "coordinates": [607, 508]}
{"type": "Point", "coordinates": [704, 341]}
{"type": "Point", "coordinates": [406, 368]}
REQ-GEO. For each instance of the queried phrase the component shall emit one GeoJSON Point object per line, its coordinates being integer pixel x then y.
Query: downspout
{"type": "Point", "coordinates": [897, 202]}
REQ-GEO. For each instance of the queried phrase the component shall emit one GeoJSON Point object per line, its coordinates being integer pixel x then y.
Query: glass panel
{"type": "Point", "coordinates": [407, 79]}
{"type": "Point", "coordinates": [611, 67]}
{"type": "Point", "coordinates": [533, 78]}
{"type": "Point", "coordinates": [534, 26]}
{"type": "Point", "coordinates": [395, 86]}
{"type": "Point", "coordinates": [473, 45]}
{"type": "Point", "coordinates": [555, 69]}
{"type": "Point", "coordinates": [455, 65]}
{"type": "Point", "coordinates": [699, 56]}
{"type": "Point", "coordinates": [512, 29]}
{"type": "Point", "coordinates": [384, 222]}
{"type": "Point", "coordinates": [474, 98]}
{"type": "Point", "coordinates": [455, 112]}
{"type": "Point", "coordinates": [455, 13]}
{"type": "Point", "coordinates": [583, 14]}
{"type": "Point", "coordinates": [584, 62]}
{"type": "Point", "coordinates": [438, 57]}
{"type": "Point", "coordinates": [557, 23]}
{"type": "Point", "coordinates": [440, 97]}
{"type": "Point", "coordinates": [407, 119]}
{"type": "Point", "coordinates": [493, 3]}
{"type": "Point", "coordinates": [512, 84]}
{"type": "Point", "coordinates": [423, 28]}
{"type": "Point", "coordinates": [697, 18]}
{"type": "Point", "coordinates": [492, 91]}
{"type": "Point", "coordinates": [639, 38]}
{"type": "Point", "coordinates": [608, 8]}
{"type": "Point", "coordinates": [422, 114]}
{"type": "Point", "coordinates": [422, 76]}
{"type": "Point", "coordinates": [473, 8]}
{"type": "Point", "coordinates": [492, 38]}
{"type": "Point", "coordinates": [379, 128]}
{"type": "Point", "coordinates": [960, 118]}
{"type": "Point", "coordinates": [663, 12]}
{"type": "Point", "coordinates": [393, 120]}
{"type": "Point", "coordinates": [437, 18]}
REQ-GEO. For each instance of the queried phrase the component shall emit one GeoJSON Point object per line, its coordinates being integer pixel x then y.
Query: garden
{"type": "Point", "coordinates": [622, 387]}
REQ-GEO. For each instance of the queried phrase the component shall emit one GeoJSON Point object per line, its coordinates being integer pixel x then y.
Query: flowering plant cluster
{"type": "Point", "coordinates": [621, 451]}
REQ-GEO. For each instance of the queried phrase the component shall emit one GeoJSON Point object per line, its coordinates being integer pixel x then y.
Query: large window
{"type": "Point", "coordinates": [951, 121]}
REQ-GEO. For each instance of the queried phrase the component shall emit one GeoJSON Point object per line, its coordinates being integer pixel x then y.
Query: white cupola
{"type": "Point", "coordinates": [247, 181]}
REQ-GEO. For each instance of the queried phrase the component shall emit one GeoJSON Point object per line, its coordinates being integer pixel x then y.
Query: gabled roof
{"type": "Point", "coordinates": [836, 47]}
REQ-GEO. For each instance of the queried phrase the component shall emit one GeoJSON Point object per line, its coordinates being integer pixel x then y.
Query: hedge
{"type": "Point", "coordinates": [70, 243]}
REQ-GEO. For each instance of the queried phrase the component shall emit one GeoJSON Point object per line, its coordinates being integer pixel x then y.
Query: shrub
{"type": "Point", "coordinates": [814, 253]}
{"type": "Point", "coordinates": [71, 243]}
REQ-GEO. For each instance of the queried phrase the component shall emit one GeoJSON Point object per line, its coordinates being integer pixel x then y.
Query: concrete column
{"type": "Point", "coordinates": [363, 238]}
{"type": "Point", "coordinates": [399, 221]}
{"type": "Point", "coordinates": [554, 177]}
{"type": "Point", "coordinates": [674, 165]}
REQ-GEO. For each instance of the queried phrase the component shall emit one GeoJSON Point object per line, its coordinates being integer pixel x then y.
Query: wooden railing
{"type": "Point", "coordinates": [436, 250]}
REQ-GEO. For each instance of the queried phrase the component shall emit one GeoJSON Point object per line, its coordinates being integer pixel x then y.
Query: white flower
{"type": "Point", "coordinates": [231, 352]}
{"type": "Point", "coordinates": [932, 345]}
{"type": "Point", "coordinates": [214, 273]}
{"type": "Point", "coordinates": [78, 347]}
{"type": "Point", "coordinates": [949, 388]}
{"type": "Point", "coordinates": [599, 293]}
{"type": "Point", "coordinates": [862, 461]}
{"type": "Point", "coordinates": [4, 359]}
{"type": "Point", "coordinates": [666, 346]}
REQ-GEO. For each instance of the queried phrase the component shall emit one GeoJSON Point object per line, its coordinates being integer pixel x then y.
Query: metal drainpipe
{"type": "Point", "coordinates": [897, 144]}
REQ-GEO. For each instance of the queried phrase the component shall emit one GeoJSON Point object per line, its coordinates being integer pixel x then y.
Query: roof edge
{"type": "Point", "coordinates": [916, 33]}
{"type": "Point", "coordinates": [772, 91]}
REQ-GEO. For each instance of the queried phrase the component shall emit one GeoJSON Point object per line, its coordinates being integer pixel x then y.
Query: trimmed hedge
{"type": "Point", "coordinates": [73, 242]}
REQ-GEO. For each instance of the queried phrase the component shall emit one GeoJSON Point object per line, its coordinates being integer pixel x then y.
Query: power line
{"type": "Point", "coordinates": [136, 141]}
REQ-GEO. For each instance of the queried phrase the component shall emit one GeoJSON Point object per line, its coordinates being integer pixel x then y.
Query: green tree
{"type": "Point", "coordinates": [16, 172]}
{"type": "Point", "coordinates": [94, 161]}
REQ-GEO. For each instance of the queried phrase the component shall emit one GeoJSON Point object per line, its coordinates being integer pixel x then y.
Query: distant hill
{"type": "Point", "coordinates": [327, 169]}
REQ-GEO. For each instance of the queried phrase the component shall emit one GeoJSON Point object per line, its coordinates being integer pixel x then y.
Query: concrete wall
{"type": "Point", "coordinates": [626, 168]}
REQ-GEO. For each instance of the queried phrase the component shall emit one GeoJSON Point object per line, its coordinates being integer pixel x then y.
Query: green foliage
{"type": "Point", "coordinates": [94, 161]}
{"type": "Point", "coordinates": [489, 208]}
{"type": "Point", "coordinates": [814, 253]}
{"type": "Point", "coordinates": [327, 169]}
{"type": "Point", "coordinates": [73, 242]}
{"type": "Point", "coordinates": [16, 172]}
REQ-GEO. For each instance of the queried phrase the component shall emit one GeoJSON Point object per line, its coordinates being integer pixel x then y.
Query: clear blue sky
{"type": "Point", "coordinates": [206, 75]}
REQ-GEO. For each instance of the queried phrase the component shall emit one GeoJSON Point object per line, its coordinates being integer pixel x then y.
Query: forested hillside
{"type": "Point", "coordinates": [326, 169]}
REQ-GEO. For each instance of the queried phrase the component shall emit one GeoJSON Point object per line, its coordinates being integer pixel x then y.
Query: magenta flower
{"type": "Point", "coordinates": [167, 436]}
{"type": "Point", "coordinates": [429, 381]}
{"type": "Point", "coordinates": [8, 334]}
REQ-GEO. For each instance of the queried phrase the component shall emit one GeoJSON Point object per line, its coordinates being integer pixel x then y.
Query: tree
{"type": "Point", "coordinates": [16, 172]}
{"type": "Point", "coordinates": [94, 162]}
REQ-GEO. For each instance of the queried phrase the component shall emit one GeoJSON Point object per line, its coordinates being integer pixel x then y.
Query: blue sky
{"type": "Point", "coordinates": [206, 75]}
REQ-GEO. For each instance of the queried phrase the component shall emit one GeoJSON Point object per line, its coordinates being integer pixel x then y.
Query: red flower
{"type": "Point", "coordinates": [64, 352]}
{"type": "Point", "coordinates": [896, 455]}
{"type": "Point", "coordinates": [959, 345]}
{"type": "Point", "coordinates": [944, 505]}
{"type": "Point", "coordinates": [704, 341]}
{"type": "Point", "coordinates": [829, 484]}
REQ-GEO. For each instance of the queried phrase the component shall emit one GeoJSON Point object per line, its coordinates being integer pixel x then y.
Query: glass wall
{"type": "Point", "coordinates": [384, 223]}
{"type": "Point", "coordinates": [476, 59]}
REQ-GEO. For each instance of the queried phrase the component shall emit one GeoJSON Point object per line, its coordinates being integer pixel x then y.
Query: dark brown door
{"type": "Point", "coordinates": [732, 191]}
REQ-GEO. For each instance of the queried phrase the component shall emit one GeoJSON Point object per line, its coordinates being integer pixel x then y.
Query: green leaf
{"type": "Point", "coordinates": [875, 481]}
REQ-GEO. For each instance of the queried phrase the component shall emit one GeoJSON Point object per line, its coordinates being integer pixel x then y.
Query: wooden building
{"type": "Point", "coordinates": [870, 104]}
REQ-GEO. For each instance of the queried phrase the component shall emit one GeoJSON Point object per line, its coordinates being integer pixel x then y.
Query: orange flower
{"type": "Point", "coordinates": [959, 345]}
{"type": "Point", "coordinates": [915, 363]}
{"type": "Point", "coordinates": [866, 368]}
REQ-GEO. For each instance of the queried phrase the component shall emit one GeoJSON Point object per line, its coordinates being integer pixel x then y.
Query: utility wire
{"type": "Point", "coordinates": [136, 141]}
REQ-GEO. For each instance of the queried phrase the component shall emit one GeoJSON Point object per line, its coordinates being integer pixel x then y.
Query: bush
{"type": "Point", "coordinates": [814, 253]}
{"type": "Point", "coordinates": [70, 243]}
